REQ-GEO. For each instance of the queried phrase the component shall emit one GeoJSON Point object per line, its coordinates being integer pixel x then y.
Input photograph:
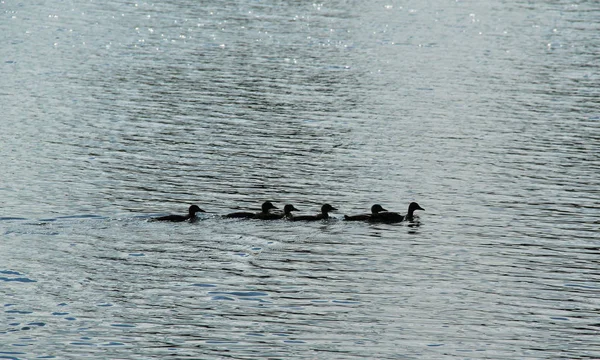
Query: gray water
{"type": "Point", "coordinates": [487, 113]}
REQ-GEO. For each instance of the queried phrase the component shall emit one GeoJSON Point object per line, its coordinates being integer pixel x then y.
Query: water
{"type": "Point", "coordinates": [485, 113]}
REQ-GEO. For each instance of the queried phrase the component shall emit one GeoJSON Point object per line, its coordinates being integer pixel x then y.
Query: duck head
{"type": "Point", "coordinates": [377, 208]}
{"type": "Point", "coordinates": [412, 207]}
{"type": "Point", "coordinates": [327, 208]}
{"type": "Point", "coordinates": [289, 208]}
{"type": "Point", "coordinates": [267, 205]}
{"type": "Point", "coordinates": [194, 209]}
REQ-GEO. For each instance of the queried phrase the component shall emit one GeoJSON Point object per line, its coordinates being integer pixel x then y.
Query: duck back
{"type": "Point", "coordinates": [309, 217]}
{"type": "Point", "coordinates": [172, 218]}
{"type": "Point", "coordinates": [387, 217]}
{"type": "Point", "coordinates": [361, 217]}
{"type": "Point", "coordinates": [240, 215]}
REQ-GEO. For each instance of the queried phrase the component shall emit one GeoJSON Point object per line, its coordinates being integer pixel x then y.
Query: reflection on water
{"type": "Point", "coordinates": [484, 114]}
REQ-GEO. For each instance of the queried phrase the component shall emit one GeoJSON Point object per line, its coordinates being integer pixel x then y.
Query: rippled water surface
{"type": "Point", "coordinates": [486, 113]}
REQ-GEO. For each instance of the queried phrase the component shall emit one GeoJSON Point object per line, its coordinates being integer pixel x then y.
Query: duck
{"type": "Point", "coordinates": [324, 215]}
{"type": "Point", "coordinates": [191, 216]}
{"type": "Point", "coordinates": [391, 217]}
{"type": "Point", "coordinates": [287, 213]}
{"type": "Point", "coordinates": [375, 209]}
{"type": "Point", "coordinates": [266, 206]}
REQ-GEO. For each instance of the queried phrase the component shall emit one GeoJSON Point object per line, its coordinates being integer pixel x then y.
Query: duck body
{"type": "Point", "coordinates": [375, 209]}
{"type": "Point", "coordinates": [191, 216]}
{"type": "Point", "coordinates": [240, 215]}
{"type": "Point", "coordinates": [324, 215]}
{"type": "Point", "coordinates": [263, 214]}
{"type": "Point", "coordinates": [387, 217]}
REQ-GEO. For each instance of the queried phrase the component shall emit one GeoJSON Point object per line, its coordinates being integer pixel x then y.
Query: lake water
{"type": "Point", "coordinates": [487, 113]}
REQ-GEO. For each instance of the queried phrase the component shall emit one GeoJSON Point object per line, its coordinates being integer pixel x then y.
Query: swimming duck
{"type": "Point", "coordinates": [411, 209]}
{"type": "Point", "coordinates": [391, 217]}
{"type": "Point", "coordinates": [324, 215]}
{"type": "Point", "coordinates": [191, 216]}
{"type": "Point", "coordinates": [375, 209]}
{"type": "Point", "coordinates": [287, 213]}
{"type": "Point", "coordinates": [266, 206]}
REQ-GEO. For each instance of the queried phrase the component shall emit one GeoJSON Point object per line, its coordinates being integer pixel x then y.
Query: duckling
{"type": "Point", "coordinates": [266, 206]}
{"type": "Point", "coordinates": [375, 209]}
{"type": "Point", "coordinates": [324, 215]}
{"type": "Point", "coordinates": [191, 216]}
{"type": "Point", "coordinates": [287, 213]}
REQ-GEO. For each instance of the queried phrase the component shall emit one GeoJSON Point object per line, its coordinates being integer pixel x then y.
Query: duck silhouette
{"type": "Point", "coordinates": [324, 215]}
{"type": "Point", "coordinates": [375, 209]}
{"type": "Point", "coordinates": [286, 214]}
{"type": "Point", "coordinates": [264, 213]}
{"type": "Point", "coordinates": [191, 216]}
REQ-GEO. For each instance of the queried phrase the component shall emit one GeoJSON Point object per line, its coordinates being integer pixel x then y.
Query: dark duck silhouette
{"type": "Point", "coordinates": [375, 209]}
{"type": "Point", "coordinates": [266, 206]}
{"type": "Point", "coordinates": [324, 215]}
{"type": "Point", "coordinates": [391, 217]}
{"type": "Point", "coordinates": [287, 211]}
{"type": "Point", "coordinates": [286, 214]}
{"type": "Point", "coordinates": [191, 216]}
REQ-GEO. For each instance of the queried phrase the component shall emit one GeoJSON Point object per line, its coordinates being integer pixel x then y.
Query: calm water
{"type": "Point", "coordinates": [487, 113]}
